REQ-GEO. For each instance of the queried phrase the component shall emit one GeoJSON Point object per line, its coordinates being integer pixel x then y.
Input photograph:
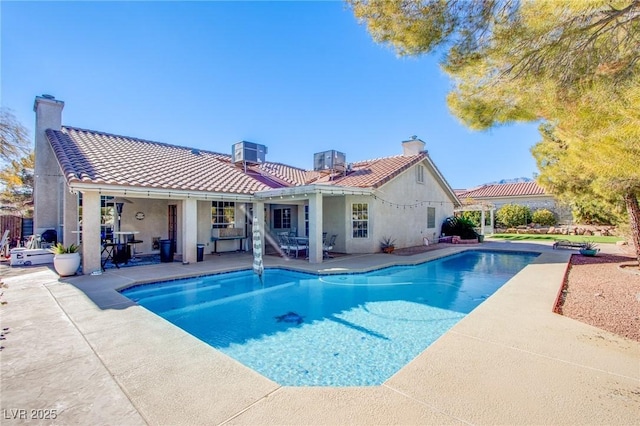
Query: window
{"type": "Point", "coordinates": [107, 217]}
{"type": "Point", "coordinates": [431, 217]}
{"type": "Point", "coordinates": [360, 220]}
{"type": "Point", "coordinates": [420, 173]}
{"type": "Point", "coordinates": [282, 218]}
{"type": "Point", "coordinates": [223, 214]}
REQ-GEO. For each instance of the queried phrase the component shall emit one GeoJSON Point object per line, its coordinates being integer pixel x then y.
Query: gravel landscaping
{"type": "Point", "coordinates": [603, 291]}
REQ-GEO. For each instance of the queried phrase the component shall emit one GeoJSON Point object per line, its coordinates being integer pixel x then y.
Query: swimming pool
{"type": "Point", "coordinates": [302, 329]}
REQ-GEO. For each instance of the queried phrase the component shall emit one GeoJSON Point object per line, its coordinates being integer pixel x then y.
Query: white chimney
{"type": "Point", "coordinates": [47, 174]}
{"type": "Point", "coordinates": [413, 146]}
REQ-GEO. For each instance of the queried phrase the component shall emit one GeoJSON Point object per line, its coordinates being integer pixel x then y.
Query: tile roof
{"type": "Point", "coordinates": [500, 190]}
{"type": "Point", "coordinates": [372, 173]}
{"type": "Point", "coordinates": [87, 156]}
{"type": "Point", "coordinates": [102, 158]}
{"type": "Point", "coordinates": [291, 175]}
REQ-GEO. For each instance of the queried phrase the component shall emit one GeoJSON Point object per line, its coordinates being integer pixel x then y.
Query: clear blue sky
{"type": "Point", "coordinates": [298, 77]}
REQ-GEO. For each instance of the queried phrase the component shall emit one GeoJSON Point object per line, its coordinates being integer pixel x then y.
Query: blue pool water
{"type": "Point", "coordinates": [332, 330]}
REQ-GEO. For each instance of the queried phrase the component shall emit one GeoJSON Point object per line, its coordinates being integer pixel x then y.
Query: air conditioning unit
{"type": "Point", "coordinates": [248, 152]}
{"type": "Point", "coordinates": [331, 160]}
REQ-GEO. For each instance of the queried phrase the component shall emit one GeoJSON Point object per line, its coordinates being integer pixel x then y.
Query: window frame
{"type": "Point", "coordinates": [359, 220]}
{"type": "Point", "coordinates": [420, 173]}
{"type": "Point", "coordinates": [223, 211]}
{"type": "Point", "coordinates": [431, 217]}
{"type": "Point", "coordinates": [108, 217]}
{"type": "Point", "coordinates": [280, 217]}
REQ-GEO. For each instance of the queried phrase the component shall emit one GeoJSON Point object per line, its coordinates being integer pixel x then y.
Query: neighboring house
{"type": "Point", "coordinates": [194, 196]}
{"type": "Point", "coordinates": [528, 194]}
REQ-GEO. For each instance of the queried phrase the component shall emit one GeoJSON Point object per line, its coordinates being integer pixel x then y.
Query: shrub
{"type": "Point", "coordinates": [544, 217]}
{"type": "Point", "coordinates": [473, 217]}
{"type": "Point", "coordinates": [512, 215]}
{"type": "Point", "coordinates": [459, 226]}
{"type": "Point", "coordinates": [387, 242]}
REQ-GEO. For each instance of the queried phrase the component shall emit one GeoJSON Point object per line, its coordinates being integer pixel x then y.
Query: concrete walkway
{"type": "Point", "coordinates": [78, 351]}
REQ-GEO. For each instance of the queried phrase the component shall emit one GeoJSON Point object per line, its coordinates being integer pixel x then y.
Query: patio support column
{"type": "Point", "coordinates": [315, 228]}
{"type": "Point", "coordinates": [189, 230]}
{"type": "Point", "coordinates": [301, 220]}
{"type": "Point", "coordinates": [90, 232]}
{"type": "Point", "coordinates": [69, 219]}
{"type": "Point", "coordinates": [482, 219]}
{"type": "Point", "coordinates": [493, 225]}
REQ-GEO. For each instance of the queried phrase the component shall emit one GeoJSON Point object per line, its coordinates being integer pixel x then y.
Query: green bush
{"type": "Point", "coordinates": [473, 217]}
{"type": "Point", "coordinates": [459, 226]}
{"type": "Point", "coordinates": [544, 217]}
{"type": "Point", "coordinates": [512, 215]}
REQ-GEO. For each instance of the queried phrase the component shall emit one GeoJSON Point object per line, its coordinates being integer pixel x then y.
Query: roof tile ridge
{"type": "Point", "coordinates": [283, 164]}
{"type": "Point", "coordinates": [65, 163]}
{"type": "Point", "coordinates": [133, 138]}
{"type": "Point", "coordinates": [389, 157]}
{"type": "Point", "coordinates": [258, 170]}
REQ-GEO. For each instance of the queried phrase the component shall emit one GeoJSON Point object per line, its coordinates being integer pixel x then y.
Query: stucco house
{"type": "Point", "coordinates": [194, 196]}
{"type": "Point", "coordinates": [529, 194]}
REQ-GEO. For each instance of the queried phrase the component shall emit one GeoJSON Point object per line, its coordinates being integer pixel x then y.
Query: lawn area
{"type": "Point", "coordinates": [553, 237]}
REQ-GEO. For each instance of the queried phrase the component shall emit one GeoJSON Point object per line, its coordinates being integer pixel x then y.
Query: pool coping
{"type": "Point", "coordinates": [505, 362]}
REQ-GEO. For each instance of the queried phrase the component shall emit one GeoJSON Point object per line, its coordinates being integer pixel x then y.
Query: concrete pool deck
{"type": "Point", "coordinates": [78, 350]}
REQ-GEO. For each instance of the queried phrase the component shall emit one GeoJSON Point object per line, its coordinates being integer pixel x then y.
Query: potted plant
{"type": "Point", "coordinates": [66, 260]}
{"type": "Point", "coordinates": [589, 248]}
{"type": "Point", "coordinates": [387, 245]}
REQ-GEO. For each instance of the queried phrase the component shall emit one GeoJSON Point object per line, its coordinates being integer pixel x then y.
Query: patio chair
{"type": "Point", "coordinates": [327, 246]}
{"type": "Point", "coordinates": [283, 242]}
{"type": "Point", "coordinates": [298, 244]}
{"type": "Point", "coordinates": [291, 244]}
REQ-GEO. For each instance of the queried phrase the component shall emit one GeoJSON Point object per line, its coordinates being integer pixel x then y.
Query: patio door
{"type": "Point", "coordinates": [172, 225]}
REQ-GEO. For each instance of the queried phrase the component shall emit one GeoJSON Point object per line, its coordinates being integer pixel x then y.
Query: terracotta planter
{"type": "Point", "coordinates": [388, 249]}
{"type": "Point", "coordinates": [66, 264]}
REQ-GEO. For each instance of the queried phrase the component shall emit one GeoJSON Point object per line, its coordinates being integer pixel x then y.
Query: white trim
{"type": "Point", "coordinates": [303, 192]}
{"type": "Point", "coordinates": [163, 193]}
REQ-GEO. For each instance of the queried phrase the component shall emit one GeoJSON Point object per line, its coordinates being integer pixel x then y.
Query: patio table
{"type": "Point", "coordinates": [111, 250]}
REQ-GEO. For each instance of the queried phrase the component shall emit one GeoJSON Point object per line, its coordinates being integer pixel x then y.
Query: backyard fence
{"type": "Point", "coordinates": [19, 228]}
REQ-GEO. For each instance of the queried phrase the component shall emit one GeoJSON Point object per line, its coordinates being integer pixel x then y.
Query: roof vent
{"type": "Point", "coordinates": [248, 153]}
{"type": "Point", "coordinates": [195, 151]}
{"type": "Point", "coordinates": [332, 160]}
